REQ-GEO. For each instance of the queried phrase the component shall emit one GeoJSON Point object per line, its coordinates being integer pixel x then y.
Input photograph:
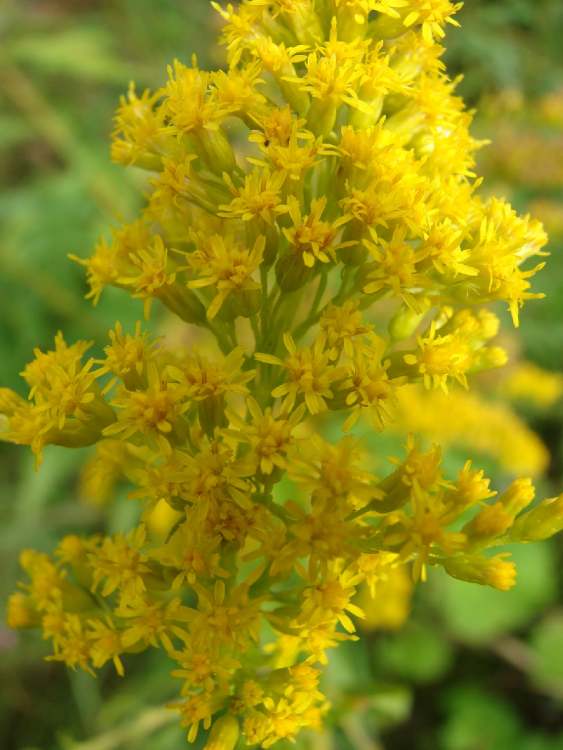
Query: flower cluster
{"type": "Point", "coordinates": [313, 210]}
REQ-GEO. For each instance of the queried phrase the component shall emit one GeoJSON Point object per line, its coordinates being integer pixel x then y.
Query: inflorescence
{"type": "Point", "coordinates": [312, 209]}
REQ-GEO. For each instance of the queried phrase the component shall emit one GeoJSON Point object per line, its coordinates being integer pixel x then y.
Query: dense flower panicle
{"type": "Point", "coordinates": [313, 209]}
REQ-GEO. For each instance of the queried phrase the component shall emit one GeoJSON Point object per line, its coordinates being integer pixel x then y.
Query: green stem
{"type": "Point", "coordinates": [221, 336]}
{"type": "Point", "coordinates": [314, 313]}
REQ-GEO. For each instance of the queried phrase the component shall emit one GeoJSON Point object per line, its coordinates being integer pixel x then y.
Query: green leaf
{"type": "Point", "coordinates": [478, 720]}
{"type": "Point", "coordinates": [418, 653]}
{"type": "Point", "coordinates": [77, 52]}
{"type": "Point", "coordinates": [547, 644]}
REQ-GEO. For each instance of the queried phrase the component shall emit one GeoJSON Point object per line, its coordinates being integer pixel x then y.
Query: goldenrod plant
{"type": "Point", "coordinates": [313, 210]}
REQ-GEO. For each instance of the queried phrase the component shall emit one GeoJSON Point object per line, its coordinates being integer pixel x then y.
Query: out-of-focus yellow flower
{"type": "Point", "coordinates": [457, 419]}
{"type": "Point", "coordinates": [528, 382]}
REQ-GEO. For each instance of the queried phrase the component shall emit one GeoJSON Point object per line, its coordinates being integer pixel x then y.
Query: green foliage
{"type": "Point", "coordinates": [477, 720]}
{"type": "Point", "coordinates": [418, 653]}
{"type": "Point", "coordinates": [546, 641]}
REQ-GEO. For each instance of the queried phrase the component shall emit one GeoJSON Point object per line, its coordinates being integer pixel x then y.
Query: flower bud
{"type": "Point", "coordinates": [540, 523]}
{"type": "Point", "coordinates": [218, 151]}
{"type": "Point", "coordinates": [224, 734]}
{"type": "Point", "coordinates": [292, 273]}
{"type": "Point", "coordinates": [404, 323]}
{"type": "Point", "coordinates": [495, 571]}
{"type": "Point", "coordinates": [183, 302]}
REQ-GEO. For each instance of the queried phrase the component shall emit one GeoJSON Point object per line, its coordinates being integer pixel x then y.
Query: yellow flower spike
{"type": "Point", "coordinates": [313, 209]}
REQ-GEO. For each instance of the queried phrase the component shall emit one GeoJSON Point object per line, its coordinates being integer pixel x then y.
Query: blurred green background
{"type": "Point", "coordinates": [473, 669]}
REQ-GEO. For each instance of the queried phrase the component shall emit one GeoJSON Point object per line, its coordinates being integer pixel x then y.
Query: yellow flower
{"type": "Point", "coordinates": [151, 273]}
{"type": "Point", "coordinates": [229, 267]}
{"type": "Point", "coordinates": [231, 615]}
{"type": "Point", "coordinates": [307, 375]}
{"type": "Point", "coordinates": [67, 405]}
{"type": "Point", "coordinates": [259, 197]}
{"type": "Point", "coordinates": [106, 644]}
{"type": "Point", "coordinates": [457, 352]}
{"type": "Point", "coordinates": [191, 554]}
{"type": "Point", "coordinates": [152, 411]}
{"type": "Point", "coordinates": [333, 472]}
{"type": "Point", "coordinates": [329, 600]}
{"type": "Point", "coordinates": [342, 325]}
{"type": "Point", "coordinates": [395, 267]}
{"type": "Point", "coordinates": [190, 104]}
{"type": "Point", "coordinates": [120, 563]}
{"type": "Point", "coordinates": [311, 238]}
{"type": "Point", "coordinates": [368, 386]}
{"type": "Point", "coordinates": [432, 14]}
{"type": "Point", "coordinates": [127, 357]}
{"type": "Point", "coordinates": [196, 710]}
{"type": "Point", "coordinates": [140, 132]}
{"type": "Point", "coordinates": [152, 623]}
{"type": "Point", "coordinates": [269, 436]}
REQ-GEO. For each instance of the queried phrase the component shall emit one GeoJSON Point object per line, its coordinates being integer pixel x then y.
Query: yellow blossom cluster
{"type": "Point", "coordinates": [313, 210]}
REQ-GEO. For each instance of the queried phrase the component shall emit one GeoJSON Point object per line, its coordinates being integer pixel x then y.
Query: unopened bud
{"type": "Point", "coordinates": [224, 734]}
{"type": "Point", "coordinates": [495, 571]}
{"type": "Point", "coordinates": [540, 523]}
{"type": "Point", "coordinates": [518, 496]}
{"type": "Point", "coordinates": [491, 522]}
